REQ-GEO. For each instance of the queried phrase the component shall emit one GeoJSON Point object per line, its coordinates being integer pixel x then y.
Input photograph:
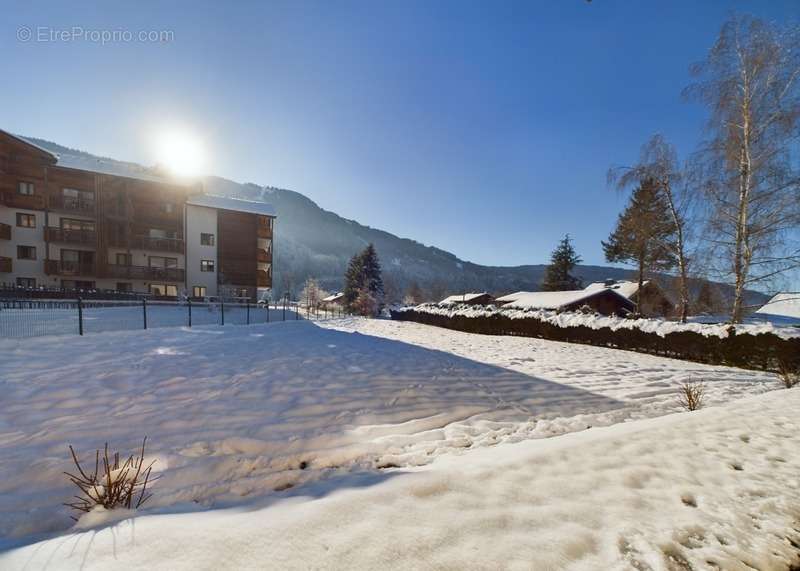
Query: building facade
{"type": "Point", "coordinates": [76, 223]}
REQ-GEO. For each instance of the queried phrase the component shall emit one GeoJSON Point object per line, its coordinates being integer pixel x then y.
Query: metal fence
{"type": "Point", "coordinates": [21, 318]}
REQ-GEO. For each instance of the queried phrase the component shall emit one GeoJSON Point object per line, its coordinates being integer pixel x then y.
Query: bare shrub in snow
{"type": "Point", "coordinates": [691, 395]}
{"type": "Point", "coordinates": [788, 374]}
{"type": "Point", "coordinates": [116, 487]}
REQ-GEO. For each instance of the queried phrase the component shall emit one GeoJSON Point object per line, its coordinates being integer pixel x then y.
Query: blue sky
{"type": "Point", "coordinates": [484, 128]}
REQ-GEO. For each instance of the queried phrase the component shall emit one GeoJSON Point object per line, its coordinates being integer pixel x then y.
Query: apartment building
{"type": "Point", "coordinates": [76, 222]}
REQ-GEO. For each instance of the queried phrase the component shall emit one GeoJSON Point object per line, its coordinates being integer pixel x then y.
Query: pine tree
{"type": "Point", "coordinates": [364, 273]}
{"type": "Point", "coordinates": [558, 275]}
{"type": "Point", "coordinates": [644, 236]}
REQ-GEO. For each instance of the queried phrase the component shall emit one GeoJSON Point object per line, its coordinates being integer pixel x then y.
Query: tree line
{"type": "Point", "coordinates": [731, 210]}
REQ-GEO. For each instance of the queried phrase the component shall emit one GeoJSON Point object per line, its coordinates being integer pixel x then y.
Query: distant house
{"type": "Point", "coordinates": [482, 298]}
{"type": "Point", "coordinates": [650, 301]}
{"type": "Point", "coordinates": [337, 299]}
{"type": "Point", "coordinates": [605, 301]}
{"type": "Point", "coordinates": [782, 309]}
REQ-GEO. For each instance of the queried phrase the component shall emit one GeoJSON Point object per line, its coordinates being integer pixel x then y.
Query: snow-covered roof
{"type": "Point", "coordinates": [334, 297]}
{"type": "Point", "coordinates": [553, 299]}
{"type": "Point", "coordinates": [511, 296]}
{"type": "Point", "coordinates": [622, 287]}
{"type": "Point", "coordinates": [236, 204]}
{"type": "Point", "coordinates": [462, 297]}
{"type": "Point", "coordinates": [784, 306]}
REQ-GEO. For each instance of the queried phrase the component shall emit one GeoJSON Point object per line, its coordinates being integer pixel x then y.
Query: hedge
{"type": "Point", "coordinates": [761, 351]}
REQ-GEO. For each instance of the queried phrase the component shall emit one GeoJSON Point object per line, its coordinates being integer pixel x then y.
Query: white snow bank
{"type": "Point", "coordinates": [573, 319]}
{"type": "Point", "coordinates": [235, 413]}
{"type": "Point", "coordinates": [713, 489]}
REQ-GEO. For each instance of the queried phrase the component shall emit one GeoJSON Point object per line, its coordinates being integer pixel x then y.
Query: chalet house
{"type": "Point", "coordinates": [468, 299]}
{"type": "Point", "coordinates": [651, 301]}
{"type": "Point", "coordinates": [334, 300]}
{"type": "Point", "coordinates": [603, 301]}
{"type": "Point", "coordinates": [77, 223]}
{"type": "Point", "coordinates": [782, 309]}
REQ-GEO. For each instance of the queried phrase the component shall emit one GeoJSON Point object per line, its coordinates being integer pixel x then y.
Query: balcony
{"type": "Point", "coordinates": [264, 231]}
{"type": "Point", "coordinates": [24, 201]}
{"type": "Point", "coordinates": [144, 273]}
{"type": "Point", "coordinates": [161, 244]}
{"type": "Point", "coordinates": [5, 232]}
{"type": "Point", "coordinates": [73, 205]}
{"type": "Point", "coordinates": [5, 265]}
{"type": "Point", "coordinates": [264, 278]}
{"type": "Point", "coordinates": [83, 237]}
{"type": "Point", "coordinates": [66, 268]}
{"type": "Point", "coordinates": [264, 256]}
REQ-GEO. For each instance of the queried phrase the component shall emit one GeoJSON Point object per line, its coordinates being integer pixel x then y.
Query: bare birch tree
{"type": "Point", "coordinates": [750, 83]}
{"type": "Point", "coordinates": [658, 162]}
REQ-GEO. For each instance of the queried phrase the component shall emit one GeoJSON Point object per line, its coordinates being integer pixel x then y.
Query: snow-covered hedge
{"type": "Point", "coordinates": [755, 346]}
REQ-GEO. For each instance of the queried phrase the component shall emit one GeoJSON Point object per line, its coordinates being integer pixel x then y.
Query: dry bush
{"type": "Point", "coordinates": [691, 395]}
{"type": "Point", "coordinates": [789, 375]}
{"type": "Point", "coordinates": [117, 486]}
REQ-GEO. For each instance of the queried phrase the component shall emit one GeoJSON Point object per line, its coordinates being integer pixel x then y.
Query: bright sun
{"type": "Point", "coordinates": [181, 152]}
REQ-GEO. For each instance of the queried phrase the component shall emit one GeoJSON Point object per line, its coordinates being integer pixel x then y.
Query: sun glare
{"type": "Point", "coordinates": [180, 152]}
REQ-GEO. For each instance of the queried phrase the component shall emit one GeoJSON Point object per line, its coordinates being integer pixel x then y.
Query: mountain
{"type": "Point", "coordinates": [313, 242]}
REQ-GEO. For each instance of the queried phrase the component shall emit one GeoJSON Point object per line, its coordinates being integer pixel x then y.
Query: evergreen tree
{"type": "Point", "coordinates": [363, 277]}
{"type": "Point", "coordinates": [644, 235]}
{"type": "Point", "coordinates": [558, 275]}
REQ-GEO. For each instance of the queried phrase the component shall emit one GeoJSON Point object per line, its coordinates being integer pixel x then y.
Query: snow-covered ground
{"type": "Point", "coordinates": [297, 428]}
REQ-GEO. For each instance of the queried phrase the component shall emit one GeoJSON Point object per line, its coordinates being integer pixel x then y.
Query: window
{"type": "Point", "coordinates": [206, 239]}
{"type": "Point", "coordinates": [26, 252]}
{"type": "Point", "coordinates": [123, 260]}
{"type": "Point", "coordinates": [26, 220]}
{"type": "Point", "coordinates": [124, 286]}
{"type": "Point", "coordinates": [26, 282]}
{"type": "Point", "coordinates": [75, 194]}
{"type": "Point", "coordinates": [70, 224]}
{"type": "Point", "coordinates": [164, 290]}
{"type": "Point", "coordinates": [25, 188]}
{"type": "Point", "coordinates": [206, 265]}
{"type": "Point", "coordinates": [199, 291]}
{"type": "Point", "coordinates": [162, 262]}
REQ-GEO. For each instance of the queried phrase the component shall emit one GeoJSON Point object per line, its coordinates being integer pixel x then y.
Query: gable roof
{"type": "Point", "coordinates": [463, 297]}
{"type": "Point", "coordinates": [558, 299]}
{"type": "Point", "coordinates": [28, 143]}
{"type": "Point", "coordinates": [784, 305]}
{"type": "Point", "coordinates": [623, 287]}
{"type": "Point", "coordinates": [235, 204]}
{"type": "Point", "coordinates": [334, 297]}
{"type": "Point", "coordinates": [511, 296]}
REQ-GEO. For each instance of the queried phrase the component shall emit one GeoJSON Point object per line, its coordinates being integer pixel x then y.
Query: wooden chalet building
{"type": "Point", "coordinates": [78, 223]}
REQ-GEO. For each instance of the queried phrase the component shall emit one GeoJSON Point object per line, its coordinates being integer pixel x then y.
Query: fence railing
{"type": "Point", "coordinates": [21, 318]}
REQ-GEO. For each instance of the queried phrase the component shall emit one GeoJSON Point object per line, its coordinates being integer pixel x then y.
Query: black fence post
{"type": "Point", "coordinates": [248, 312]}
{"type": "Point", "coordinates": [296, 312]}
{"type": "Point", "coordinates": [284, 309]}
{"type": "Point", "coordinates": [144, 312]}
{"type": "Point", "coordinates": [267, 311]}
{"type": "Point", "coordinates": [189, 305]}
{"type": "Point", "coordinates": [80, 316]}
{"type": "Point", "coordinates": [222, 310]}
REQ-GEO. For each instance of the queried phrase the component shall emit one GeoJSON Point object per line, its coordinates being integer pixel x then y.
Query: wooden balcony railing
{"type": "Point", "coordinates": [5, 232]}
{"type": "Point", "coordinates": [144, 273]}
{"type": "Point", "coordinates": [161, 244]}
{"type": "Point", "coordinates": [26, 201]}
{"type": "Point", "coordinates": [6, 265]}
{"type": "Point", "coordinates": [264, 256]}
{"type": "Point", "coordinates": [72, 204]}
{"type": "Point", "coordinates": [264, 278]}
{"type": "Point", "coordinates": [84, 237]}
{"type": "Point", "coordinates": [264, 231]}
{"type": "Point", "coordinates": [65, 268]}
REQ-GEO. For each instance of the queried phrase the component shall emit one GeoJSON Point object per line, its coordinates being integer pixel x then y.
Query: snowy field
{"type": "Point", "coordinates": [353, 443]}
